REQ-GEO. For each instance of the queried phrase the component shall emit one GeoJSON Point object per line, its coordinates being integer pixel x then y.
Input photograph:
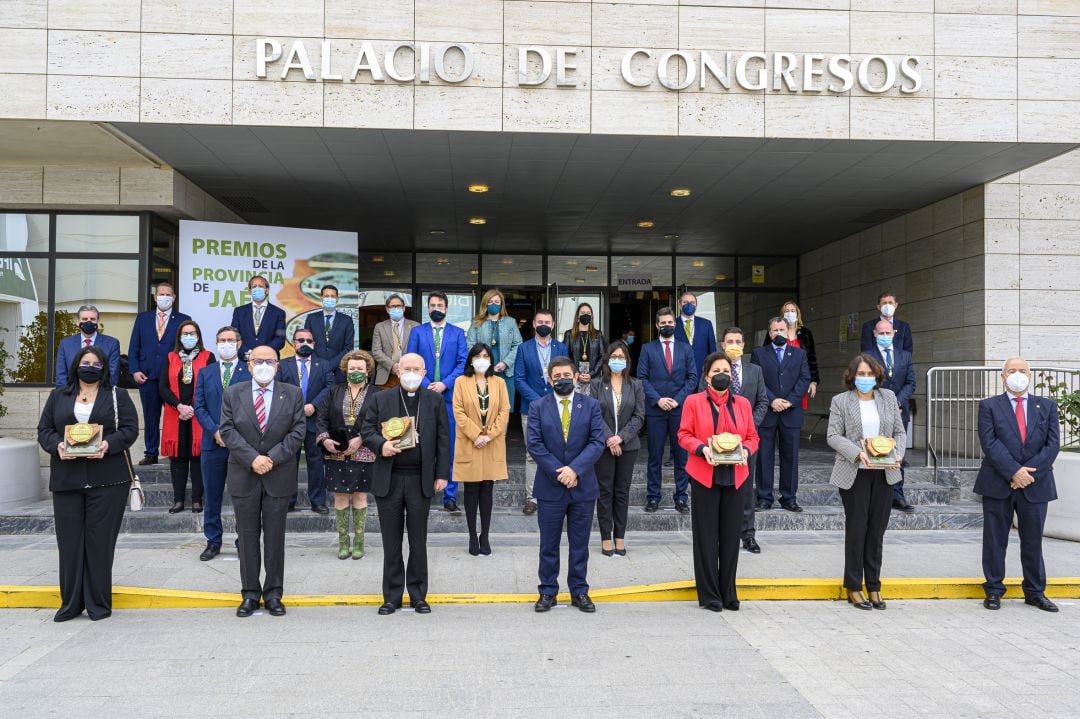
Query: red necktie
{"type": "Point", "coordinates": [667, 356]}
{"type": "Point", "coordinates": [86, 342]}
{"type": "Point", "coordinates": [1021, 420]}
{"type": "Point", "coordinates": [260, 409]}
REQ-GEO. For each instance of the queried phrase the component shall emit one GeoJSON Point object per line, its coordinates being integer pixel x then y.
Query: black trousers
{"type": "Point", "coordinates": [614, 475]}
{"type": "Point", "coordinates": [178, 470]}
{"type": "Point", "coordinates": [87, 524]}
{"type": "Point", "coordinates": [404, 508]}
{"type": "Point", "coordinates": [749, 531]}
{"type": "Point", "coordinates": [479, 495]}
{"type": "Point", "coordinates": [997, 523]}
{"type": "Point", "coordinates": [716, 515]}
{"type": "Point", "coordinates": [867, 506]}
{"type": "Point", "coordinates": [260, 528]}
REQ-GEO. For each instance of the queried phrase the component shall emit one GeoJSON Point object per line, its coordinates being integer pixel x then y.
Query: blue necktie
{"type": "Point", "coordinates": [303, 378]}
{"type": "Point", "coordinates": [779, 355]}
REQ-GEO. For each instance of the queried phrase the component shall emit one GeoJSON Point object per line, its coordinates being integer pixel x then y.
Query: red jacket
{"type": "Point", "coordinates": [170, 425]}
{"type": "Point", "coordinates": [697, 427]}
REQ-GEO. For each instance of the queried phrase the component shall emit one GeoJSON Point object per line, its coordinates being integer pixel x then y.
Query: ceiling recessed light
{"type": "Point", "coordinates": [590, 268]}
{"type": "Point", "coordinates": [474, 282]}
{"type": "Point", "coordinates": [681, 192]}
{"type": "Point", "coordinates": [442, 260]}
{"type": "Point", "coordinates": [579, 280]}
{"type": "Point", "coordinates": [721, 277]}
{"type": "Point", "coordinates": [474, 272]}
{"type": "Point", "coordinates": [477, 220]}
{"type": "Point", "coordinates": [635, 263]}
{"type": "Point", "coordinates": [671, 237]}
{"type": "Point", "coordinates": [377, 258]}
{"type": "Point", "coordinates": [646, 224]}
{"type": "Point", "coordinates": [437, 232]}
{"type": "Point", "coordinates": [698, 263]}
{"type": "Point", "coordinates": [478, 187]}
{"type": "Point", "coordinates": [508, 261]}
{"type": "Point", "coordinates": [572, 263]}
{"type": "Point", "coordinates": [388, 273]}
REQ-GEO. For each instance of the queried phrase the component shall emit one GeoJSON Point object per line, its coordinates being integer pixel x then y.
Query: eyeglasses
{"type": "Point", "coordinates": [304, 342]}
{"type": "Point", "coordinates": [264, 362]}
{"type": "Point", "coordinates": [92, 365]}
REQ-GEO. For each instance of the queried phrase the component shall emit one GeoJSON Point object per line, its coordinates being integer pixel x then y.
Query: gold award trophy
{"type": "Point", "coordinates": [82, 439]}
{"type": "Point", "coordinates": [400, 429]}
{"type": "Point", "coordinates": [726, 448]}
{"type": "Point", "coordinates": [881, 451]}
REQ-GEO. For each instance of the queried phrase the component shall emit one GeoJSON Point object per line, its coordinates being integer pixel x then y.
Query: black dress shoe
{"type": "Point", "coordinates": [320, 509]}
{"type": "Point", "coordinates": [732, 606]}
{"type": "Point", "coordinates": [275, 607]}
{"type": "Point", "coordinates": [669, 462]}
{"type": "Point", "coordinates": [485, 546]}
{"type": "Point", "coordinates": [211, 551]}
{"type": "Point", "coordinates": [545, 602]}
{"type": "Point", "coordinates": [147, 460]}
{"type": "Point", "coordinates": [903, 506]}
{"type": "Point", "coordinates": [682, 508]}
{"type": "Point", "coordinates": [420, 606]}
{"type": "Point", "coordinates": [751, 546]}
{"type": "Point", "coordinates": [714, 607]}
{"type": "Point", "coordinates": [247, 607]}
{"type": "Point", "coordinates": [176, 508]}
{"type": "Point", "coordinates": [861, 604]}
{"type": "Point", "coordinates": [764, 506]}
{"type": "Point", "coordinates": [474, 546]}
{"type": "Point", "coordinates": [621, 552]}
{"type": "Point", "coordinates": [992, 602]}
{"type": "Point", "coordinates": [583, 603]}
{"type": "Point", "coordinates": [529, 507]}
{"type": "Point", "coordinates": [1040, 601]}
{"type": "Point", "coordinates": [387, 608]}
{"type": "Point", "coordinates": [196, 507]}
{"type": "Point", "coordinates": [451, 507]}
{"type": "Point", "coordinates": [792, 507]}
{"type": "Point", "coordinates": [651, 506]}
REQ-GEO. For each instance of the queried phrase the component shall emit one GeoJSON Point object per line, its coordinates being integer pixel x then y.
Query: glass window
{"type": "Point", "coordinates": [718, 308]}
{"type": "Point", "coordinates": [513, 270]}
{"type": "Point", "coordinates": [566, 314]}
{"type": "Point", "coordinates": [110, 285]}
{"type": "Point", "coordinates": [447, 269]}
{"type": "Point", "coordinates": [705, 272]}
{"type": "Point", "coordinates": [24, 317]}
{"type": "Point", "coordinates": [386, 267]}
{"type": "Point", "coordinates": [97, 233]}
{"type": "Point", "coordinates": [578, 270]}
{"type": "Point", "coordinates": [658, 268]}
{"type": "Point", "coordinates": [24, 233]}
{"type": "Point", "coordinates": [767, 272]}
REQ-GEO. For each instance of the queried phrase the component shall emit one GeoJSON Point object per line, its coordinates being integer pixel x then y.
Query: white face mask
{"type": "Point", "coordinates": [410, 380]}
{"type": "Point", "coordinates": [480, 366]}
{"type": "Point", "coordinates": [888, 310]}
{"type": "Point", "coordinates": [790, 317]}
{"type": "Point", "coordinates": [263, 373]}
{"type": "Point", "coordinates": [226, 350]}
{"type": "Point", "coordinates": [164, 302]}
{"type": "Point", "coordinates": [1017, 382]}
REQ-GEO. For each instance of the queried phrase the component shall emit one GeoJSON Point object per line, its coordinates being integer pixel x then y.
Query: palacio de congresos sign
{"type": "Point", "coordinates": [455, 63]}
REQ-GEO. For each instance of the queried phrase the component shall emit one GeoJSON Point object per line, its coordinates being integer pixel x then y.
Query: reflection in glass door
{"type": "Point", "coordinates": [462, 307]}
{"type": "Point", "coordinates": [566, 313]}
{"type": "Point", "coordinates": [371, 309]}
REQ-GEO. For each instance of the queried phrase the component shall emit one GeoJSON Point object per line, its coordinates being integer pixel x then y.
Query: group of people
{"type": "Point", "coordinates": [429, 407]}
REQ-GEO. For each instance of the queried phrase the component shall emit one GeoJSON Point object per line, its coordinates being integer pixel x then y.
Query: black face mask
{"type": "Point", "coordinates": [543, 330]}
{"type": "Point", "coordinates": [437, 315]}
{"type": "Point", "coordinates": [779, 340]}
{"type": "Point", "coordinates": [585, 319]}
{"type": "Point", "coordinates": [304, 350]}
{"type": "Point", "coordinates": [88, 327]}
{"type": "Point", "coordinates": [563, 387]}
{"type": "Point", "coordinates": [667, 331]}
{"type": "Point", "coordinates": [90, 375]}
{"type": "Point", "coordinates": [720, 382]}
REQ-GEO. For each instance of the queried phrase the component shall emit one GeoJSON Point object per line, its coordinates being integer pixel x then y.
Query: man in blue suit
{"type": "Point", "coordinates": [900, 378]}
{"type": "Point", "coordinates": [88, 337]}
{"type": "Point", "coordinates": [153, 337]}
{"type": "Point", "coordinates": [531, 383]}
{"type": "Point", "coordinates": [565, 437]}
{"type": "Point", "coordinates": [313, 376]}
{"type": "Point", "coordinates": [443, 347]}
{"type": "Point", "coordinates": [787, 376]}
{"type": "Point", "coordinates": [668, 375]}
{"type": "Point", "coordinates": [887, 306]}
{"type": "Point", "coordinates": [1019, 434]}
{"type": "Point", "coordinates": [259, 322]}
{"type": "Point", "coordinates": [214, 456]}
{"type": "Point", "coordinates": [333, 332]}
{"type": "Point", "coordinates": [697, 331]}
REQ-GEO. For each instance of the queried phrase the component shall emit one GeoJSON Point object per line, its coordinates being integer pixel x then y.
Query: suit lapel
{"type": "Point", "coordinates": [102, 410]}
{"type": "Point", "coordinates": [1010, 412]}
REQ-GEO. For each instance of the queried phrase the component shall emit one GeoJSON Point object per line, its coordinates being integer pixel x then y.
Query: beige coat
{"type": "Point", "coordinates": [472, 464]}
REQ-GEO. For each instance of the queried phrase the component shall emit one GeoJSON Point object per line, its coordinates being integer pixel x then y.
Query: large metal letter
{"type": "Point", "coordinates": [907, 69]}
{"type": "Point", "coordinates": [297, 59]}
{"type": "Point", "coordinates": [366, 60]}
{"type": "Point", "coordinates": [326, 74]}
{"type": "Point", "coordinates": [523, 65]}
{"type": "Point", "coordinates": [627, 73]}
{"type": "Point", "coordinates": [864, 73]}
{"type": "Point", "coordinates": [562, 55]}
{"type": "Point", "coordinates": [263, 44]}
{"type": "Point", "coordinates": [391, 68]}
{"type": "Point", "coordinates": [783, 64]}
{"type": "Point", "coordinates": [440, 64]}
{"type": "Point", "coordinates": [841, 72]}
{"type": "Point", "coordinates": [740, 72]}
{"type": "Point", "coordinates": [662, 70]}
{"type": "Point", "coordinates": [811, 71]}
{"type": "Point", "coordinates": [709, 67]}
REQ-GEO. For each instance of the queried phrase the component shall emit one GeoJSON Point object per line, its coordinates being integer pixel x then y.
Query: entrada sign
{"type": "Point", "coordinates": [454, 63]}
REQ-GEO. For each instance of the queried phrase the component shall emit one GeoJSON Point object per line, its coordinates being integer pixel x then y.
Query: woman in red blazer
{"type": "Point", "coordinates": [719, 491]}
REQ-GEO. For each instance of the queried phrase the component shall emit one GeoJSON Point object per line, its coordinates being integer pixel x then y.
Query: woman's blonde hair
{"type": "Point", "coordinates": [482, 314]}
{"type": "Point", "coordinates": [798, 312]}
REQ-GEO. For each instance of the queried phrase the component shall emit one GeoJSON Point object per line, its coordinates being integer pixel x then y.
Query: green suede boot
{"type": "Point", "coordinates": [359, 518]}
{"type": "Point", "coordinates": [341, 521]}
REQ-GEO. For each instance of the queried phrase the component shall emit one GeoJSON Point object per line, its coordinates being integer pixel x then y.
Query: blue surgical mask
{"type": "Point", "coordinates": [258, 293]}
{"type": "Point", "coordinates": [689, 309]}
{"type": "Point", "coordinates": [494, 309]}
{"type": "Point", "coordinates": [329, 303]}
{"type": "Point", "coordinates": [865, 384]}
{"type": "Point", "coordinates": [396, 313]}
{"type": "Point", "coordinates": [629, 340]}
{"type": "Point", "coordinates": [189, 341]}
{"type": "Point", "coordinates": [884, 341]}
{"type": "Point", "coordinates": [616, 365]}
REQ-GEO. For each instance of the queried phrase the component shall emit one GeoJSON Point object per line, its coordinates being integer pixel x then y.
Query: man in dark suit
{"type": "Point", "coordinates": [259, 322]}
{"type": "Point", "coordinates": [314, 377]}
{"type": "Point", "coordinates": [1019, 434]}
{"type": "Point", "coordinates": [900, 378]}
{"type": "Point", "coordinates": [786, 372]}
{"type": "Point", "coordinates": [333, 332]}
{"type": "Point", "coordinates": [444, 348]}
{"type": "Point", "coordinates": [566, 437]}
{"type": "Point", "coordinates": [88, 337]}
{"type": "Point", "coordinates": [531, 383]}
{"type": "Point", "coordinates": [262, 423]}
{"type": "Point", "coordinates": [667, 373]}
{"type": "Point", "coordinates": [404, 480]}
{"type": "Point", "coordinates": [214, 455]}
{"type": "Point", "coordinates": [697, 331]}
{"type": "Point", "coordinates": [153, 337]}
{"type": "Point", "coordinates": [886, 307]}
{"type": "Point", "coordinates": [747, 381]}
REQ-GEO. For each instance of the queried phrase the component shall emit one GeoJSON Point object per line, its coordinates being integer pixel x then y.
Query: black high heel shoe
{"type": "Point", "coordinates": [485, 545]}
{"type": "Point", "coordinates": [607, 552]}
{"type": "Point", "coordinates": [474, 546]}
{"type": "Point", "coordinates": [879, 603]}
{"type": "Point", "coordinates": [861, 604]}
{"type": "Point", "coordinates": [621, 552]}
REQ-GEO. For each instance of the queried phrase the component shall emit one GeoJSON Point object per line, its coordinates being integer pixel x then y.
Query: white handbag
{"type": "Point", "coordinates": [136, 497]}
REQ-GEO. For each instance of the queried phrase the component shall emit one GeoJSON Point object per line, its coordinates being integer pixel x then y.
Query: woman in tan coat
{"type": "Point", "coordinates": [481, 410]}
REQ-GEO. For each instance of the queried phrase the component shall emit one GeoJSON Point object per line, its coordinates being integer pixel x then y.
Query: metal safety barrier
{"type": "Point", "coordinates": [952, 409]}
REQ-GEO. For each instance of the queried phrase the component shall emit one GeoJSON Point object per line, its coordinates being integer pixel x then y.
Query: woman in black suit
{"type": "Point", "coordinates": [585, 342]}
{"type": "Point", "coordinates": [89, 493]}
{"type": "Point", "coordinates": [622, 404]}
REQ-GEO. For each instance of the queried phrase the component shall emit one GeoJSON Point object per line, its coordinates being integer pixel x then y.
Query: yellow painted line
{"type": "Point", "coordinates": [750, 589]}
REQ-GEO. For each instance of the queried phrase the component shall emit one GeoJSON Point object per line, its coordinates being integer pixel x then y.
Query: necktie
{"type": "Point", "coordinates": [395, 330]}
{"type": "Point", "coordinates": [258, 316]}
{"type": "Point", "coordinates": [565, 419]}
{"type": "Point", "coordinates": [888, 362]}
{"type": "Point", "coordinates": [438, 351]}
{"type": "Point", "coordinates": [260, 409]}
{"type": "Point", "coordinates": [1021, 420]}
{"type": "Point", "coordinates": [329, 322]}
{"type": "Point", "coordinates": [690, 330]}
{"type": "Point", "coordinates": [161, 319]}
{"type": "Point", "coordinates": [779, 355]}
{"type": "Point", "coordinates": [86, 342]}
{"type": "Point", "coordinates": [667, 355]}
{"type": "Point", "coordinates": [227, 375]}
{"type": "Point", "coordinates": [303, 378]}
{"type": "Point", "coordinates": [736, 384]}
